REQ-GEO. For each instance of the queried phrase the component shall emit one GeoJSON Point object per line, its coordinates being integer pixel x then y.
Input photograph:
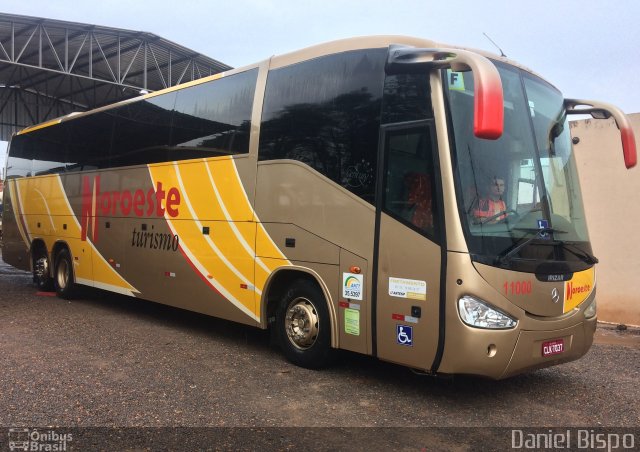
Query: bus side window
{"type": "Point", "coordinates": [325, 113]}
{"type": "Point", "coordinates": [214, 118]}
{"type": "Point", "coordinates": [409, 183]}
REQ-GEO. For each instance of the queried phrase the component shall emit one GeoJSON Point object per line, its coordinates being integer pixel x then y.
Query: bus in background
{"type": "Point", "coordinates": [390, 196]}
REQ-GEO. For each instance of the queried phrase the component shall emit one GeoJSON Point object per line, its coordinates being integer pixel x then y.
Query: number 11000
{"type": "Point", "coordinates": [517, 288]}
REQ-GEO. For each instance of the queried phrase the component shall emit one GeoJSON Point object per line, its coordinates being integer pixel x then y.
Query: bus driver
{"type": "Point", "coordinates": [490, 205]}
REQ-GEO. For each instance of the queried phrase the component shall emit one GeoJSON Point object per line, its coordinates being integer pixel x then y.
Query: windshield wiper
{"type": "Point", "coordinates": [506, 256]}
{"type": "Point", "coordinates": [580, 254]}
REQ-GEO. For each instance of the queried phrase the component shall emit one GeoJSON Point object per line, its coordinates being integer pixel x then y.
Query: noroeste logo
{"type": "Point", "coordinates": [155, 202]}
{"type": "Point", "coordinates": [573, 290]}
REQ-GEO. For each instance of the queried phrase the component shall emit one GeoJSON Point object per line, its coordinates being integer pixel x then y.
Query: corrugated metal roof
{"type": "Point", "coordinates": [50, 68]}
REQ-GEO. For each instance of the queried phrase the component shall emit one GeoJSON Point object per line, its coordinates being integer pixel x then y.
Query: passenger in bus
{"type": "Point", "coordinates": [492, 203]}
{"type": "Point", "coordinates": [420, 200]}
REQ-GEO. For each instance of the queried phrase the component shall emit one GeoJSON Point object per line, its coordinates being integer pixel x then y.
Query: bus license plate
{"type": "Point", "coordinates": [554, 347]}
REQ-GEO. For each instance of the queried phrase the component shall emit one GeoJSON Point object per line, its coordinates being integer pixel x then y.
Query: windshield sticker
{"type": "Point", "coordinates": [352, 322]}
{"type": "Point", "coordinates": [352, 285]}
{"type": "Point", "coordinates": [532, 108]}
{"type": "Point", "coordinates": [408, 288]}
{"type": "Point", "coordinates": [456, 80]}
{"type": "Point", "coordinates": [543, 224]}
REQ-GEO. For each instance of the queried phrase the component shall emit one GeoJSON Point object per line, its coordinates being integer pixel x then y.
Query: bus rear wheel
{"type": "Point", "coordinates": [41, 274]}
{"type": "Point", "coordinates": [303, 326]}
{"type": "Point", "coordinates": [63, 275]}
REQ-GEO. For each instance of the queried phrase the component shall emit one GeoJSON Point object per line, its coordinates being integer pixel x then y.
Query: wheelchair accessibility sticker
{"type": "Point", "coordinates": [404, 335]}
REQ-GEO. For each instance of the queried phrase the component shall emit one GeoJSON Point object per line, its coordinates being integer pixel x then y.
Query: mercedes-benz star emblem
{"type": "Point", "coordinates": [555, 295]}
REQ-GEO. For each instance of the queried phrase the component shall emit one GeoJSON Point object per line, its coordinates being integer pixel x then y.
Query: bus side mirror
{"type": "Point", "coordinates": [600, 110]}
{"type": "Point", "coordinates": [488, 109]}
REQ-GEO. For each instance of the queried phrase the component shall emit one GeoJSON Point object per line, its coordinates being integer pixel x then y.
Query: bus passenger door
{"type": "Point", "coordinates": [408, 245]}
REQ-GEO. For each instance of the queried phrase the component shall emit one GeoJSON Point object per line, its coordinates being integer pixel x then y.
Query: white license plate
{"type": "Point", "coordinates": [554, 347]}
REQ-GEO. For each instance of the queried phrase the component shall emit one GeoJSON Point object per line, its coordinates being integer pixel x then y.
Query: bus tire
{"type": "Point", "coordinates": [63, 275]}
{"type": "Point", "coordinates": [41, 273]}
{"type": "Point", "coordinates": [303, 326]}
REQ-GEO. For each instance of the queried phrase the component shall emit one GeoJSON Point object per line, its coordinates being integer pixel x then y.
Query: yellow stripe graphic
{"type": "Point", "coordinates": [56, 210]}
{"type": "Point", "coordinates": [208, 210]}
{"type": "Point", "coordinates": [212, 195]}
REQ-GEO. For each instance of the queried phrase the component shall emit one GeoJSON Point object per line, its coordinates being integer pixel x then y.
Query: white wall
{"type": "Point", "coordinates": [611, 195]}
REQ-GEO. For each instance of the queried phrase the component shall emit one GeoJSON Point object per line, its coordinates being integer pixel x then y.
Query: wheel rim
{"type": "Point", "coordinates": [62, 275]}
{"type": "Point", "coordinates": [302, 323]}
{"type": "Point", "coordinates": [42, 268]}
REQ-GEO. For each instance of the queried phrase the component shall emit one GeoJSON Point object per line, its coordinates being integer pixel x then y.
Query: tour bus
{"type": "Point", "coordinates": [390, 196]}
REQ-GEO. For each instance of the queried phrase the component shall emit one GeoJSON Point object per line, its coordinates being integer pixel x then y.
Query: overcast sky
{"type": "Point", "coordinates": [589, 49]}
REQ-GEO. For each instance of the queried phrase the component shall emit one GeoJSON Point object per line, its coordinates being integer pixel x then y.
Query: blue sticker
{"type": "Point", "coordinates": [404, 335]}
{"type": "Point", "coordinates": [543, 224]}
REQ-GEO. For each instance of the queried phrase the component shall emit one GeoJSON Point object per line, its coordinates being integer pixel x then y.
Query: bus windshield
{"type": "Point", "coordinates": [519, 196]}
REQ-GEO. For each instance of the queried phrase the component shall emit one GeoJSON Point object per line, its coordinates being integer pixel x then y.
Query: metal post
{"type": "Point", "coordinates": [91, 54]}
{"type": "Point", "coordinates": [13, 42]}
{"type": "Point", "coordinates": [144, 82]}
{"type": "Point", "coordinates": [119, 55]}
{"type": "Point", "coordinates": [40, 45]}
{"type": "Point", "coordinates": [66, 50]}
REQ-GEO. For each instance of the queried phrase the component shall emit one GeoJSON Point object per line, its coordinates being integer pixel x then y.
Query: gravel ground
{"type": "Point", "coordinates": [109, 361]}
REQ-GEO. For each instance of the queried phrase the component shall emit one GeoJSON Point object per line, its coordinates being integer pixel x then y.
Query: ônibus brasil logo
{"type": "Point", "coordinates": [155, 202]}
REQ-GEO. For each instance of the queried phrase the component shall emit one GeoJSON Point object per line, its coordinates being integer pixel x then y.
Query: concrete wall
{"type": "Point", "coordinates": [612, 203]}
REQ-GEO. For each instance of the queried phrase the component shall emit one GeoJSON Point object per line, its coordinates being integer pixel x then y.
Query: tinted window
{"type": "Point", "coordinates": [48, 151]}
{"type": "Point", "coordinates": [37, 153]}
{"type": "Point", "coordinates": [326, 113]}
{"type": "Point", "coordinates": [18, 163]}
{"type": "Point", "coordinates": [210, 119]}
{"type": "Point", "coordinates": [409, 193]}
{"type": "Point", "coordinates": [407, 97]}
{"type": "Point", "coordinates": [143, 131]}
{"type": "Point", "coordinates": [214, 118]}
{"type": "Point", "coordinates": [89, 142]}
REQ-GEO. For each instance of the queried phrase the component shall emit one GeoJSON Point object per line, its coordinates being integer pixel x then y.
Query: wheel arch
{"type": "Point", "coordinates": [276, 286]}
{"type": "Point", "coordinates": [60, 245]}
{"type": "Point", "coordinates": [38, 244]}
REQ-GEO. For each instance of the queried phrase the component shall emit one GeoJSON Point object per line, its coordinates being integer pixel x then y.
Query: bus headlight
{"type": "Point", "coordinates": [479, 314]}
{"type": "Point", "coordinates": [591, 310]}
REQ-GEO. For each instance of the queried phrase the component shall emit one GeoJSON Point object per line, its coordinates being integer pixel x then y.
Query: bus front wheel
{"type": "Point", "coordinates": [303, 325]}
{"type": "Point", "coordinates": [63, 275]}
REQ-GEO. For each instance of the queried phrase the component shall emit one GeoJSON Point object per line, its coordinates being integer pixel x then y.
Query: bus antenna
{"type": "Point", "coordinates": [493, 42]}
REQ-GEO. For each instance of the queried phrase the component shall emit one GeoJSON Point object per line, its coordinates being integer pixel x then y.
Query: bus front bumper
{"type": "Point", "coordinates": [539, 349]}
{"type": "Point", "coordinates": [499, 354]}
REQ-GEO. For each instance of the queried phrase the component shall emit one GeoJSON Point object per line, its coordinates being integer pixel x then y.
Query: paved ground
{"type": "Point", "coordinates": [105, 360]}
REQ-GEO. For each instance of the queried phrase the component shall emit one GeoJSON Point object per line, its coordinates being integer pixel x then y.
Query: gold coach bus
{"type": "Point", "coordinates": [385, 195]}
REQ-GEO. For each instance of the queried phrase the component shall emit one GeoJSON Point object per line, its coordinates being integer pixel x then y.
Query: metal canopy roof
{"type": "Point", "coordinates": [49, 68]}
